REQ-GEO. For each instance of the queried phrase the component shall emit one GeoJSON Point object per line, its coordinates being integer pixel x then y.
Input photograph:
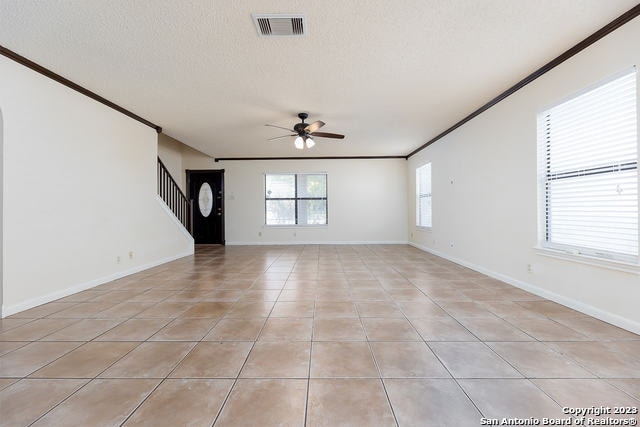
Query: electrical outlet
{"type": "Point", "coordinates": [451, 244]}
{"type": "Point", "coordinates": [118, 259]}
{"type": "Point", "coordinates": [529, 268]}
{"type": "Point", "coordinates": [259, 233]}
{"type": "Point", "coordinates": [131, 254]}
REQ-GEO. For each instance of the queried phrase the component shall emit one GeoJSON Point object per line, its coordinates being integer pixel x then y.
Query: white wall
{"type": "Point", "coordinates": [195, 160]}
{"type": "Point", "coordinates": [1, 211]}
{"type": "Point", "coordinates": [79, 192]}
{"type": "Point", "coordinates": [367, 202]}
{"type": "Point", "coordinates": [170, 152]}
{"type": "Point", "coordinates": [485, 192]}
{"type": "Point", "coordinates": [178, 157]}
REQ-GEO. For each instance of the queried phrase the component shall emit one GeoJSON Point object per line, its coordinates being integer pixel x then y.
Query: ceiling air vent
{"type": "Point", "coordinates": [280, 24]}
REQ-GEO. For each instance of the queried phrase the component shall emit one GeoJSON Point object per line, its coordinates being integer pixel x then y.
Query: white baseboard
{"type": "Point", "coordinates": [314, 242]}
{"type": "Point", "coordinates": [580, 306]}
{"type": "Point", "coordinates": [34, 302]}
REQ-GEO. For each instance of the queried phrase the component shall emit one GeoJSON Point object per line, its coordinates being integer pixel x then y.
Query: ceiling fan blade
{"type": "Point", "coordinates": [327, 135]}
{"type": "Point", "coordinates": [280, 127]}
{"type": "Point", "coordinates": [283, 136]}
{"type": "Point", "coordinates": [312, 127]}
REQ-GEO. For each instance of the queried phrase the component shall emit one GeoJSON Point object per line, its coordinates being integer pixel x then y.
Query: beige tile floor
{"type": "Point", "coordinates": [308, 335]}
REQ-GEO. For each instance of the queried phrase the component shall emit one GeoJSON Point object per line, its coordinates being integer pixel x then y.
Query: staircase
{"type": "Point", "coordinates": [175, 199]}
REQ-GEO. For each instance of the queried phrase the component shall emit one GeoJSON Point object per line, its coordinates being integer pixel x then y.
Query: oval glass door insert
{"type": "Point", "coordinates": [205, 199]}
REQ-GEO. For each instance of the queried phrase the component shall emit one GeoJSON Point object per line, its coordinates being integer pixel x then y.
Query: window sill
{"type": "Point", "coordinates": [296, 226]}
{"type": "Point", "coordinates": [422, 228]}
{"type": "Point", "coordinates": [626, 267]}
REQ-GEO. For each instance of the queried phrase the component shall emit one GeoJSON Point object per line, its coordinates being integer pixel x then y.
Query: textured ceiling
{"type": "Point", "coordinates": [388, 74]}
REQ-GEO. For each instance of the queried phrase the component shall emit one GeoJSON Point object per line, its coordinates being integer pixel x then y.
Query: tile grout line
{"type": "Point", "coordinates": [380, 378]}
{"type": "Point", "coordinates": [89, 380]}
{"type": "Point", "coordinates": [311, 341]}
{"type": "Point", "coordinates": [349, 261]}
{"type": "Point", "coordinates": [61, 402]}
{"type": "Point", "coordinates": [434, 353]}
{"type": "Point", "coordinates": [306, 402]}
{"type": "Point", "coordinates": [452, 377]}
{"type": "Point", "coordinates": [438, 357]}
{"type": "Point", "coordinates": [237, 377]}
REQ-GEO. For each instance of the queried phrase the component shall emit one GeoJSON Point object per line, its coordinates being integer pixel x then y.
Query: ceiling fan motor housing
{"type": "Point", "coordinates": [300, 126]}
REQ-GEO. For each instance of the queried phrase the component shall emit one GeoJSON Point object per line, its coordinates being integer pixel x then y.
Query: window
{"type": "Point", "coordinates": [295, 199]}
{"type": "Point", "coordinates": [588, 159]}
{"type": "Point", "coordinates": [423, 196]}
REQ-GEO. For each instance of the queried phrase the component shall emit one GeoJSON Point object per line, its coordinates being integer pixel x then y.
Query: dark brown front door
{"type": "Point", "coordinates": [206, 191]}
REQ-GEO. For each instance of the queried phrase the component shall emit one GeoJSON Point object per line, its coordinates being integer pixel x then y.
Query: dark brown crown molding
{"type": "Point", "coordinates": [609, 28]}
{"type": "Point", "coordinates": [220, 159]}
{"type": "Point", "coordinates": [58, 78]}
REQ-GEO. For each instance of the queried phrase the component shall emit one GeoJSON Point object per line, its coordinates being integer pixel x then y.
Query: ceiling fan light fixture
{"type": "Point", "coordinates": [310, 142]}
{"type": "Point", "coordinates": [299, 143]}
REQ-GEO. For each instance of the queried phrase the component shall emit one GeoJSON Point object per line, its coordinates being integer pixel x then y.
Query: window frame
{"type": "Point", "coordinates": [421, 194]}
{"type": "Point", "coordinates": [581, 174]}
{"type": "Point", "coordinates": [296, 198]}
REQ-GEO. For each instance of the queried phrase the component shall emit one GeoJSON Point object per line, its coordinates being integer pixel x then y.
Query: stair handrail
{"type": "Point", "coordinates": [174, 198]}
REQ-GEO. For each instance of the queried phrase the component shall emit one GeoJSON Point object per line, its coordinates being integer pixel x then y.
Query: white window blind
{"type": "Point", "coordinates": [589, 171]}
{"type": "Point", "coordinates": [423, 196]}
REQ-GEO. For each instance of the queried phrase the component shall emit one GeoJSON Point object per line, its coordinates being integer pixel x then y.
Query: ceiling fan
{"type": "Point", "coordinates": [306, 132]}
